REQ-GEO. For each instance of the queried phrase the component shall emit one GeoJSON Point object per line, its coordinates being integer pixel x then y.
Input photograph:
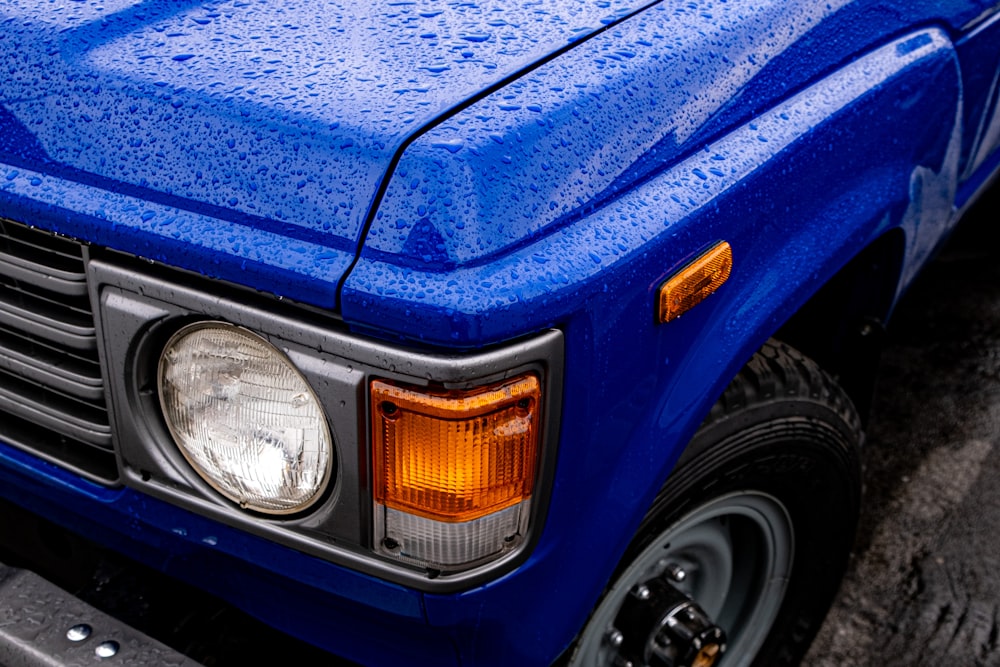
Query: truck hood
{"type": "Point", "coordinates": [274, 115]}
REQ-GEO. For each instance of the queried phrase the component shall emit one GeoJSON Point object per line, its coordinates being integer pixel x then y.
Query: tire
{"type": "Point", "coordinates": [755, 524]}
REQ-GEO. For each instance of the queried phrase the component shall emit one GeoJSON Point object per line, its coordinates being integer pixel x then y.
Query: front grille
{"type": "Point", "coordinates": [51, 391]}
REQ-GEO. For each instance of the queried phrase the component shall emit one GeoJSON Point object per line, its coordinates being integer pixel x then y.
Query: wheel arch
{"type": "Point", "coordinates": [786, 425]}
{"type": "Point", "coordinates": [842, 325]}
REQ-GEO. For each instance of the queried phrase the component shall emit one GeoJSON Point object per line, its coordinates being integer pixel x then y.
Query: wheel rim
{"type": "Point", "coordinates": [731, 555]}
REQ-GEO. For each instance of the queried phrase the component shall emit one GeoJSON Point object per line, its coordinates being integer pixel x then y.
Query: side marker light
{"type": "Point", "coordinates": [695, 282]}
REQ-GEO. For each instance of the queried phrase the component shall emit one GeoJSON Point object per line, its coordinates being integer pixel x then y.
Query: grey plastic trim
{"type": "Point", "coordinates": [40, 275]}
{"type": "Point", "coordinates": [90, 462]}
{"type": "Point", "coordinates": [137, 313]}
{"type": "Point", "coordinates": [36, 618]}
{"type": "Point", "coordinates": [55, 420]}
{"type": "Point", "coordinates": [60, 379]}
{"type": "Point", "coordinates": [56, 331]}
{"type": "Point", "coordinates": [51, 389]}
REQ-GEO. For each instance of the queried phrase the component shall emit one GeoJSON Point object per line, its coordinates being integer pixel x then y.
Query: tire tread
{"type": "Point", "coordinates": [777, 372]}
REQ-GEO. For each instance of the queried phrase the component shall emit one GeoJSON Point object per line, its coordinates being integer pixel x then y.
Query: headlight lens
{"type": "Point", "coordinates": [245, 418]}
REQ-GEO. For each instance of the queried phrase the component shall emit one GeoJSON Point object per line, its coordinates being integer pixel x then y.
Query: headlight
{"type": "Point", "coordinates": [245, 418]}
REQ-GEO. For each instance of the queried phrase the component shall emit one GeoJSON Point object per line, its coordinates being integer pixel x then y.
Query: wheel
{"type": "Point", "coordinates": [742, 552]}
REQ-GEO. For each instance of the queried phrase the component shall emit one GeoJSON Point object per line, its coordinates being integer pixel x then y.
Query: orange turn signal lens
{"type": "Point", "coordinates": [695, 282]}
{"type": "Point", "coordinates": [455, 455]}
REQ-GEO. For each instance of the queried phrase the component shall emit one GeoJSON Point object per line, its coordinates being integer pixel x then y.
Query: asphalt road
{"type": "Point", "coordinates": [923, 586]}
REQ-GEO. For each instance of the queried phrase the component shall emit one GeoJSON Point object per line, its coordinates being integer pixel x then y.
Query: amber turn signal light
{"type": "Point", "coordinates": [455, 455]}
{"type": "Point", "coordinates": [695, 282]}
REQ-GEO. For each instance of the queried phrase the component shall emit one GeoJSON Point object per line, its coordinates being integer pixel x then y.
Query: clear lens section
{"type": "Point", "coordinates": [245, 418]}
{"type": "Point", "coordinates": [447, 546]}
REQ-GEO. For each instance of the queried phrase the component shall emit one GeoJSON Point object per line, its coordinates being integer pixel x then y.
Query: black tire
{"type": "Point", "coordinates": [773, 477]}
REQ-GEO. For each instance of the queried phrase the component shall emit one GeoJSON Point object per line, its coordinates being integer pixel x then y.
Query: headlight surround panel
{"type": "Point", "coordinates": [140, 312]}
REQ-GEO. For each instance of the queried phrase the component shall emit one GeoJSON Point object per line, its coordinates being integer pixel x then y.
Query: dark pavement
{"type": "Point", "coordinates": [923, 587]}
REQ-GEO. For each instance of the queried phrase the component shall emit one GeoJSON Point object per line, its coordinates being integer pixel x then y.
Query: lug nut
{"type": "Point", "coordinates": [641, 592]}
{"type": "Point", "coordinates": [615, 638]}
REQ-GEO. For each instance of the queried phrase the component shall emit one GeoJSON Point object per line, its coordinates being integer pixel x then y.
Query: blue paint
{"type": "Point", "coordinates": [456, 175]}
{"type": "Point", "coordinates": [252, 112]}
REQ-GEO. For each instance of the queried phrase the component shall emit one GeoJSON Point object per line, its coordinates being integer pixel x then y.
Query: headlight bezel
{"type": "Point", "coordinates": [141, 307]}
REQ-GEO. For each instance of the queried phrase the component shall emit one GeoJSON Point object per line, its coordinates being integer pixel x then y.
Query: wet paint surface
{"type": "Point", "coordinates": [247, 141]}
{"type": "Point", "coordinates": [537, 160]}
{"type": "Point", "coordinates": [669, 216]}
{"type": "Point", "coordinates": [576, 132]}
{"type": "Point", "coordinates": [271, 115]}
{"type": "Point", "coordinates": [285, 117]}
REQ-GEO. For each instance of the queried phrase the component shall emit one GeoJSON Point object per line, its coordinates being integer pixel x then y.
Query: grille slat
{"type": "Point", "coordinates": [55, 418]}
{"type": "Point", "coordinates": [47, 327]}
{"type": "Point", "coordinates": [52, 399]}
{"type": "Point", "coordinates": [42, 276]}
{"type": "Point", "coordinates": [59, 378]}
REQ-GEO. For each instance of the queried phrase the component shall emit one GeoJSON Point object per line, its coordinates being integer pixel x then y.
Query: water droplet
{"type": "Point", "coordinates": [451, 145]}
{"type": "Point", "coordinates": [78, 632]}
{"type": "Point", "coordinates": [107, 649]}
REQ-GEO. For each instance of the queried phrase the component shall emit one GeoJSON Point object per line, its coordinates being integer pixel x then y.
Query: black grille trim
{"type": "Point", "coordinates": [52, 400]}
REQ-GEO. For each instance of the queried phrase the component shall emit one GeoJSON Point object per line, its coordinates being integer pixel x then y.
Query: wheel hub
{"type": "Point", "coordinates": [724, 564]}
{"type": "Point", "coordinates": [666, 628]}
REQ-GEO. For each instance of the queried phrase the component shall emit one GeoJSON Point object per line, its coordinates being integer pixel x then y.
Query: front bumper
{"type": "Point", "coordinates": [42, 625]}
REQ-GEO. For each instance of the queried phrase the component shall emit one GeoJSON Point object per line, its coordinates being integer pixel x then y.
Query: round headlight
{"type": "Point", "coordinates": [245, 418]}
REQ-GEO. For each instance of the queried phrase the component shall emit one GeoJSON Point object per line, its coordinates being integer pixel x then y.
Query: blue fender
{"type": "Point", "coordinates": [797, 192]}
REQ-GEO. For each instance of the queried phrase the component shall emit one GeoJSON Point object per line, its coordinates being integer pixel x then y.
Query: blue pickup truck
{"type": "Point", "coordinates": [438, 332]}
